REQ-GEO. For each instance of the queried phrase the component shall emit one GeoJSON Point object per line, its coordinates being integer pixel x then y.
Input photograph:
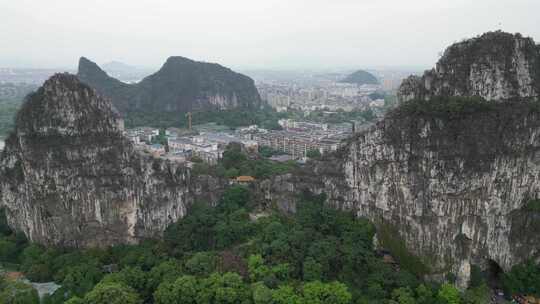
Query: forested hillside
{"type": "Point", "coordinates": [237, 252]}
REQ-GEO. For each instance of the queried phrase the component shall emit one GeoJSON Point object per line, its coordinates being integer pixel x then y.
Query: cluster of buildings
{"type": "Point", "coordinates": [142, 135]}
{"type": "Point", "coordinates": [143, 138]}
{"type": "Point", "coordinates": [296, 140]}
{"type": "Point", "coordinates": [316, 90]}
{"type": "Point", "coordinates": [328, 96]}
{"type": "Point", "coordinates": [183, 145]}
{"type": "Point", "coordinates": [208, 147]}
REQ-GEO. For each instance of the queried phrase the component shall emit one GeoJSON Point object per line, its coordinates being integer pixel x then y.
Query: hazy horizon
{"type": "Point", "coordinates": [244, 35]}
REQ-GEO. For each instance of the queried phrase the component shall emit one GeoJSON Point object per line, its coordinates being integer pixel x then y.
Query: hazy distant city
{"type": "Point", "coordinates": [302, 92]}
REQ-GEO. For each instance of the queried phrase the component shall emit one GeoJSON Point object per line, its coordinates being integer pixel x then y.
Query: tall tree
{"type": "Point", "coordinates": [112, 293]}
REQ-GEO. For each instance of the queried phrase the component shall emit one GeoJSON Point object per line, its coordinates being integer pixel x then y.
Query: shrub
{"type": "Point", "coordinates": [532, 205]}
{"type": "Point", "coordinates": [444, 107]}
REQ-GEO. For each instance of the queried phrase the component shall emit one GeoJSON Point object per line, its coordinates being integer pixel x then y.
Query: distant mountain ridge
{"type": "Point", "coordinates": [361, 77]}
{"type": "Point", "coordinates": [180, 85]}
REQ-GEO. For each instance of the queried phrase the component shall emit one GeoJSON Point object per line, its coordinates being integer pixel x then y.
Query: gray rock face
{"type": "Point", "coordinates": [496, 66]}
{"type": "Point", "coordinates": [181, 85]}
{"type": "Point", "coordinates": [454, 190]}
{"type": "Point", "coordinates": [453, 187]}
{"type": "Point", "coordinates": [71, 178]}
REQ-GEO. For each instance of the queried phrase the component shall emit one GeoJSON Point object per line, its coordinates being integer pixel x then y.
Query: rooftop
{"type": "Point", "coordinates": [245, 178]}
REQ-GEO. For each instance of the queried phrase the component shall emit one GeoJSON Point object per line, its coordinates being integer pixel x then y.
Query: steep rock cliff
{"type": "Point", "coordinates": [455, 191]}
{"type": "Point", "coordinates": [451, 180]}
{"type": "Point", "coordinates": [454, 177]}
{"type": "Point", "coordinates": [496, 66]}
{"type": "Point", "coordinates": [180, 85]}
{"type": "Point", "coordinates": [70, 177]}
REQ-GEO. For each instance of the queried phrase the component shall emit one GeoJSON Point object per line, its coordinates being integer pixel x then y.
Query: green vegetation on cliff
{"type": "Point", "coordinates": [523, 279]}
{"type": "Point", "coordinates": [389, 238]}
{"type": "Point", "coordinates": [444, 107]}
{"type": "Point", "coordinates": [532, 205]}
{"type": "Point", "coordinates": [224, 254]}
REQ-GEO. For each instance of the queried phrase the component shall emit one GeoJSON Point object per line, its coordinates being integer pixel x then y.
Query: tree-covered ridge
{"type": "Point", "coordinates": [444, 107]}
{"type": "Point", "coordinates": [457, 108]}
{"type": "Point", "coordinates": [236, 252]}
{"type": "Point", "coordinates": [266, 118]}
{"type": "Point", "coordinates": [361, 77]}
{"type": "Point", "coordinates": [181, 85]}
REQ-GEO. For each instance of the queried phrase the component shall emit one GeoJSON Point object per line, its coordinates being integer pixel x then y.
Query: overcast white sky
{"type": "Point", "coordinates": [245, 34]}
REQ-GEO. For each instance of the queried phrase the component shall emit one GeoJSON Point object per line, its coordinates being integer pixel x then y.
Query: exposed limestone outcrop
{"type": "Point", "coordinates": [496, 66]}
{"type": "Point", "coordinates": [454, 190]}
{"type": "Point", "coordinates": [453, 185]}
{"type": "Point", "coordinates": [71, 178]}
{"type": "Point", "coordinates": [180, 85]}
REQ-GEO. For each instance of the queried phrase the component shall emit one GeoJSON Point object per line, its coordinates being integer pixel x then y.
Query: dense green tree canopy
{"type": "Point", "coordinates": [18, 293]}
{"type": "Point", "coordinates": [448, 294]}
{"type": "Point", "coordinates": [221, 254]}
{"type": "Point", "coordinates": [523, 279]}
{"type": "Point", "coordinates": [111, 293]}
{"type": "Point", "coordinates": [330, 293]}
